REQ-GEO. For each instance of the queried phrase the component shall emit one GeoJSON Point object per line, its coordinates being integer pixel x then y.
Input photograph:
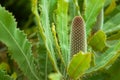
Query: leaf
{"type": "Point", "coordinates": [54, 76]}
{"type": "Point", "coordinates": [99, 22]}
{"type": "Point", "coordinates": [115, 68]}
{"type": "Point", "coordinates": [52, 6]}
{"type": "Point", "coordinates": [72, 11]}
{"type": "Point", "coordinates": [107, 58]}
{"type": "Point", "coordinates": [56, 43]}
{"type": "Point", "coordinates": [14, 75]}
{"type": "Point", "coordinates": [98, 41]}
{"type": "Point", "coordinates": [111, 7]}
{"type": "Point", "coordinates": [77, 7]}
{"type": "Point", "coordinates": [81, 5]}
{"type": "Point", "coordinates": [62, 29]}
{"type": "Point", "coordinates": [107, 2]}
{"type": "Point", "coordinates": [4, 66]}
{"type": "Point", "coordinates": [112, 24]}
{"type": "Point", "coordinates": [44, 29]}
{"type": "Point", "coordinates": [114, 36]}
{"type": "Point", "coordinates": [4, 76]}
{"type": "Point", "coordinates": [113, 13]}
{"type": "Point", "coordinates": [92, 10]}
{"type": "Point", "coordinates": [43, 59]}
{"type": "Point", "coordinates": [79, 64]}
{"type": "Point", "coordinates": [17, 43]}
{"type": "Point", "coordinates": [47, 32]}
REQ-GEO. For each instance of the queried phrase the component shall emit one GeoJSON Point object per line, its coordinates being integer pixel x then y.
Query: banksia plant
{"type": "Point", "coordinates": [78, 35]}
{"type": "Point", "coordinates": [44, 54]}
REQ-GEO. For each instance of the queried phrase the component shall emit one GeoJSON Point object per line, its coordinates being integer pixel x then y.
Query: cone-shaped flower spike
{"type": "Point", "coordinates": [78, 36]}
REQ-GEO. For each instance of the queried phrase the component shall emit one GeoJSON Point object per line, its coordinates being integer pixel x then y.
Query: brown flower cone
{"type": "Point", "coordinates": [78, 36]}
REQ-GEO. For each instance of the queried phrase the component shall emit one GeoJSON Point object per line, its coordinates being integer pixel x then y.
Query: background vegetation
{"type": "Point", "coordinates": [47, 24]}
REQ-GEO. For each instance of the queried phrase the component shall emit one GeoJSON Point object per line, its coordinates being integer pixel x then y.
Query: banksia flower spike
{"type": "Point", "coordinates": [78, 35]}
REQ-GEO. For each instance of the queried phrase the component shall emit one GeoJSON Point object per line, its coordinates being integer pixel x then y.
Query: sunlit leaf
{"type": "Point", "coordinates": [17, 43]}
{"type": "Point", "coordinates": [79, 64]}
{"type": "Point", "coordinates": [98, 41]}
{"type": "Point", "coordinates": [55, 76]}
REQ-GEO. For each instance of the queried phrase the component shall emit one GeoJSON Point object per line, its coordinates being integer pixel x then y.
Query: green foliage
{"type": "Point", "coordinates": [112, 24]}
{"type": "Point", "coordinates": [51, 57]}
{"type": "Point", "coordinates": [98, 38]}
{"type": "Point", "coordinates": [114, 69]}
{"type": "Point", "coordinates": [111, 7]}
{"type": "Point", "coordinates": [107, 58]}
{"type": "Point", "coordinates": [4, 66]}
{"type": "Point", "coordinates": [79, 64]}
{"type": "Point", "coordinates": [62, 29]}
{"type": "Point", "coordinates": [99, 22]}
{"type": "Point", "coordinates": [4, 76]}
{"type": "Point", "coordinates": [17, 44]}
{"type": "Point", "coordinates": [55, 76]}
{"type": "Point", "coordinates": [44, 30]}
{"type": "Point", "coordinates": [92, 9]}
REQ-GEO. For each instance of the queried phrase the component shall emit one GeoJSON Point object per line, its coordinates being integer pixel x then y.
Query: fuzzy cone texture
{"type": "Point", "coordinates": [78, 36]}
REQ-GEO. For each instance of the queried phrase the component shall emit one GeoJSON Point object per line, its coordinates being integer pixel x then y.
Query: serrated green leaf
{"type": "Point", "coordinates": [98, 41]}
{"type": "Point", "coordinates": [46, 67]}
{"type": "Point", "coordinates": [107, 58]}
{"type": "Point", "coordinates": [43, 59]}
{"type": "Point", "coordinates": [52, 8]}
{"type": "Point", "coordinates": [56, 43]}
{"type": "Point", "coordinates": [17, 43]}
{"type": "Point", "coordinates": [92, 10]}
{"type": "Point", "coordinates": [47, 31]}
{"type": "Point", "coordinates": [4, 76]}
{"type": "Point", "coordinates": [79, 64]}
{"type": "Point", "coordinates": [44, 28]}
{"type": "Point", "coordinates": [62, 29]}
